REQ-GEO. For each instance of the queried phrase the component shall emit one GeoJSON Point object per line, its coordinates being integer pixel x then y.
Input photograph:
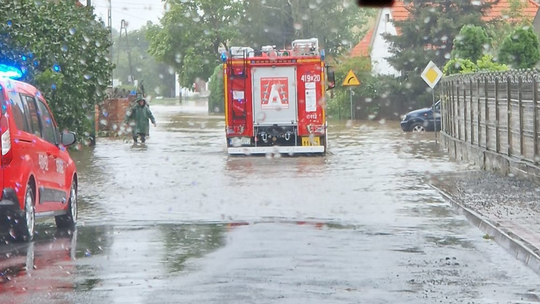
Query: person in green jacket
{"type": "Point", "coordinates": [139, 115]}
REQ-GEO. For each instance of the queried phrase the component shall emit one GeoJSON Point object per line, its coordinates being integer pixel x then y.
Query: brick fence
{"type": "Point", "coordinates": [110, 115]}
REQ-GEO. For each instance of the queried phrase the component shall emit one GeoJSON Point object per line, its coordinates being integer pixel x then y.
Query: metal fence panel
{"type": "Point", "coordinates": [496, 111]}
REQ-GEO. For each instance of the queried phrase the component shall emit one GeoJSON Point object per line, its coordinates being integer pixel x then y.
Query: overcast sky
{"type": "Point", "coordinates": [135, 12]}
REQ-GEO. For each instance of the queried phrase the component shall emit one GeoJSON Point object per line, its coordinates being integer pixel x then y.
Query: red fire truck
{"type": "Point", "coordinates": [275, 99]}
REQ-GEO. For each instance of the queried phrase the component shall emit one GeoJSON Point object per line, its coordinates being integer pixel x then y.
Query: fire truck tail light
{"type": "Point", "coordinates": [5, 140]}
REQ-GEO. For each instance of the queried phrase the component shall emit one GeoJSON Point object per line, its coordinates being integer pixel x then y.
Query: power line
{"type": "Point", "coordinates": [146, 6]}
{"type": "Point", "coordinates": [131, 8]}
{"type": "Point", "coordinates": [130, 3]}
{"type": "Point", "coordinates": [117, 11]}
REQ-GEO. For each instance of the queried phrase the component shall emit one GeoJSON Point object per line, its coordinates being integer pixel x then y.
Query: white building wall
{"type": "Point", "coordinates": [380, 47]}
{"type": "Point", "coordinates": [177, 88]}
{"type": "Point", "coordinates": [188, 92]}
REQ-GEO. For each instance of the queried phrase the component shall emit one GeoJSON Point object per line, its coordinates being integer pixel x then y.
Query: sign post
{"type": "Point", "coordinates": [351, 81]}
{"type": "Point", "coordinates": [350, 100]}
{"type": "Point", "coordinates": [431, 75]}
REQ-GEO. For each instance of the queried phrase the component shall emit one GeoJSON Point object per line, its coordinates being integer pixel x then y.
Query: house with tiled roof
{"type": "Point", "coordinates": [373, 44]}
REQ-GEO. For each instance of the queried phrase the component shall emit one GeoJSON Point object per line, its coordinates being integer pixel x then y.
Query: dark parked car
{"type": "Point", "coordinates": [422, 120]}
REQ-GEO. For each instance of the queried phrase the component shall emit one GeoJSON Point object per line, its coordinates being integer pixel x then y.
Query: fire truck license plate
{"type": "Point", "coordinates": [240, 141]}
{"type": "Point", "coordinates": [311, 141]}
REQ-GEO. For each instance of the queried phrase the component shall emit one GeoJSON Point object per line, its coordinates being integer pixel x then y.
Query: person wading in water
{"type": "Point", "coordinates": [139, 115]}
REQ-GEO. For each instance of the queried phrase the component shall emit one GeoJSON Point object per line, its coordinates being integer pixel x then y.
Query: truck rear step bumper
{"type": "Point", "coordinates": [275, 149]}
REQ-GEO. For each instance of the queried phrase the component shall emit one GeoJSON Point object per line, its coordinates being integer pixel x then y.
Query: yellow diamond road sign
{"type": "Point", "coordinates": [432, 74]}
{"type": "Point", "coordinates": [351, 79]}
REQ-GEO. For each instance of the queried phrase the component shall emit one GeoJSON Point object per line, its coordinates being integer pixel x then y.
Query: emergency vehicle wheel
{"type": "Point", "coordinates": [24, 229]}
{"type": "Point", "coordinates": [69, 220]}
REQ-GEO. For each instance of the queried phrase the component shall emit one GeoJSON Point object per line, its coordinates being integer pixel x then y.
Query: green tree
{"type": "Point", "coordinates": [459, 65]}
{"type": "Point", "coordinates": [191, 34]}
{"type": "Point", "coordinates": [339, 105]}
{"type": "Point", "coordinates": [63, 50]}
{"type": "Point", "coordinates": [428, 35]}
{"type": "Point", "coordinates": [158, 78]}
{"type": "Point", "coordinates": [471, 43]}
{"type": "Point", "coordinates": [463, 66]}
{"type": "Point", "coordinates": [520, 49]}
{"type": "Point", "coordinates": [276, 22]}
{"type": "Point", "coordinates": [270, 23]}
{"type": "Point", "coordinates": [488, 63]}
{"type": "Point", "coordinates": [216, 100]}
{"type": "Point", "coordinates": [511, 18]}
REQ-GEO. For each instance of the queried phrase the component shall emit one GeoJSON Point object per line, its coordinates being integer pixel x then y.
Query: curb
{"type": "Point", "coordinates": [514, 245]}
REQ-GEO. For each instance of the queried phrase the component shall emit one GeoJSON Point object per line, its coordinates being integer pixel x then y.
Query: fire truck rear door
{"type": "Point", "coordinates": [274, 96]}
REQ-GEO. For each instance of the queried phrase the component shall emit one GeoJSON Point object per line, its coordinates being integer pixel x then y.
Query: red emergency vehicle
{"type": "Point", "coordinates": [275, 99]}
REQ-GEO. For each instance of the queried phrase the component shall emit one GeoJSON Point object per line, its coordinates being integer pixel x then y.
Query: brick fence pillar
{"type": "Point", "coordinates": [111, 115]}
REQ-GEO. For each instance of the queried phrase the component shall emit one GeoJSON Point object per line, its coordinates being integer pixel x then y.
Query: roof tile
{"type": "Point", "coordinates": [362, 48]}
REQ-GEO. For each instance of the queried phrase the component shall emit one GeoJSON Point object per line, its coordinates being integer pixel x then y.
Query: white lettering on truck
{"type": "Point", "coordinates": [310, 78]}
{"type": "Point", "coordinates": [59, 166]}
{"type": "Point", "coordinates": [44, 162]}
{"type": "Point", "coordinates": [311, 98]}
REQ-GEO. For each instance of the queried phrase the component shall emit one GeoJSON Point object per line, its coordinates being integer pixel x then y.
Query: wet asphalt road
{"type": "Point", "coordinates": [178, 221]}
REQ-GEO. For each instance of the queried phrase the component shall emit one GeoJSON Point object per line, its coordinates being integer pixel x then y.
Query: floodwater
{"type": "Point", "coordinates": [178, 221]}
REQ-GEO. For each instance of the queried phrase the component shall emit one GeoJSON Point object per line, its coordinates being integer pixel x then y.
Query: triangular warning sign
{"type": "Point", "coordinates": [351, 79]}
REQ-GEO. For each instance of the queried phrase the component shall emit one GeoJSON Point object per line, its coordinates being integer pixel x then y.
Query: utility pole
{"type": "Point", "coordinates": [123, 28]}
{"type": "Point", "coordinates": [109, 25]}
{"type": "Point", "coordinates": [88, 2]}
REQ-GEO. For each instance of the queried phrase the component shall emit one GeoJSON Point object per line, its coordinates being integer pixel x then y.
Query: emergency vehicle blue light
{"type": "Point", "coordinates": [11, 72]}
{"type": "Point", "coordinates": [223, 57]}
{"type": "Point", "coordinates": [322, 54]}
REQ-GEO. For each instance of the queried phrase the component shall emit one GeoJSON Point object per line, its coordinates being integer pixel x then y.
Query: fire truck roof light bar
{"type": "Point", "coordinates": [306, 47]}
{"type": "Point", "coordinates": [10, 72]}
{"type": "Point", "coordinates": [299, 47]}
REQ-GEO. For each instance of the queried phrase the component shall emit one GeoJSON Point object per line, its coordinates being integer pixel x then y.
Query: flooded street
{"type": "Point", "coordinates": [178, 221]}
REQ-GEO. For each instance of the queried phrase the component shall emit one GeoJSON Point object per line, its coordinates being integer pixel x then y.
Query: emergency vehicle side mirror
{"type": "Point", "coordinates": [331, 80]}
{"type": "Point", "coordinates": [68, 138]}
